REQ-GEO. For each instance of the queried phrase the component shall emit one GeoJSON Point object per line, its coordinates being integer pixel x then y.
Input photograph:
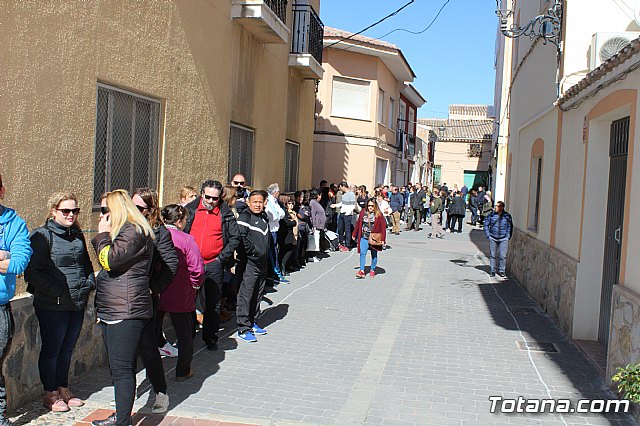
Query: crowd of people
{"type": "Point", "coordinates": [198, 262]}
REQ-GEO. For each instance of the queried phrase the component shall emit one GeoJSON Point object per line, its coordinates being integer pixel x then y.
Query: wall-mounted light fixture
{"type": "Point", "coordinates": [546, 26]}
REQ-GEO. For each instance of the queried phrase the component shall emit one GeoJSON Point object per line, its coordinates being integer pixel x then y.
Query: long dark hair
{"type": "Point", "coordinates": [150, 198]}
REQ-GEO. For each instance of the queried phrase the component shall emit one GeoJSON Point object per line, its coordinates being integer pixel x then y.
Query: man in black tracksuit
{"type": "Point", "coordinates": [253, 256]}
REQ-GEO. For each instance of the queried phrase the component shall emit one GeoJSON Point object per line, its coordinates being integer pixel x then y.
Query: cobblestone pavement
{"type": "Point", "coordinates": [427, 342]}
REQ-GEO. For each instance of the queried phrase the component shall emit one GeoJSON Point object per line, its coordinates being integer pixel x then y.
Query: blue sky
{"type": "Point", "coordinates": [453, 60]}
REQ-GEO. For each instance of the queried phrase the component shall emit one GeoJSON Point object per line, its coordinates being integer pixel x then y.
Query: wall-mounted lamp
{"type": "Point", "coordinates": [546, 26]}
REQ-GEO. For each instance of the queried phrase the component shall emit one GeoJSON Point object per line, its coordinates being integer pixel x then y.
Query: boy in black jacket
{"type": "Point", "coordinates": [253, 263]}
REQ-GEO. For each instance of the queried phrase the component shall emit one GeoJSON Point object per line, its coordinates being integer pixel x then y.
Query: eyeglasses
{"type": "Point", "coordinates": [239, 182]}
{"type": "Point", "coordinates": [66, 212]}
{"type": "Point", "coordinates": [370, 205]}
{"type": "Point", "coordinates": [210, 197]}
{"type": "Point", "coordinates": [104, 210]}
{"type": "Point", "coordinates": [141, 209]}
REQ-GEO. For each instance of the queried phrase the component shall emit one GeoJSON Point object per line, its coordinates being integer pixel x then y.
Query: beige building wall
{"type": "Point", "coordinates": [561, 264]}
{"type": "Point", "coordinates": [206, 70]}
{"type": "Point", "coordinates": [453, 159]}
{"type": "Point", "coordinates": [346, 148]}
{"type": "Point", "coordinates": [203, 67]}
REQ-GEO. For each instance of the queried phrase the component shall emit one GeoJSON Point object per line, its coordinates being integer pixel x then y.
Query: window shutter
{"type": "Point", "coordinates": [350, 99]}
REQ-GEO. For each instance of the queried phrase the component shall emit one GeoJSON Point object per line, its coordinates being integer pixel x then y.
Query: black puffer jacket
{"type": "Point", "coordinates": [165, 260]}
{"type": "Point", "coordinates": [60, 274]}
{"type": "Point", "coordinates": [123, 284]}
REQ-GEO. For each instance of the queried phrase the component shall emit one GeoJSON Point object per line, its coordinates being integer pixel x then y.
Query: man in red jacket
{"type": "Point", "coordinates": [213, 225]}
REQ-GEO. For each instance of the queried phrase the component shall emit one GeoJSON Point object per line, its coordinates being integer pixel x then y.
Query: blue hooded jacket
{"type": "Point", "coordinates": [14, 238]}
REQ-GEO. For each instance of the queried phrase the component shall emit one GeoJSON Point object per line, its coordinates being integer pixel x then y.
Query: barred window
{"type": "Point", "coordinates": [291, 161]}
{"type": "Point", "coordinates": [127, 140]}
{"type": "Point", "coordinates": [437, 174]}
{"type": "Point", "coordinates": [241, 152]}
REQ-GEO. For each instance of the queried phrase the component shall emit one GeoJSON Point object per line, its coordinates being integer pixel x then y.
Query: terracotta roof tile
{"type": "Point", "coordinates": [605, 68]}
{"type": "Point", "coordinates": [332, 33]}
{"type": "Point", "coordinates": [479, 111]}
{"type": "Point", "coordinates": [454, 129]}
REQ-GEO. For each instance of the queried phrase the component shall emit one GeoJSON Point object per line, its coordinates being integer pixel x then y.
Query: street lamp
{"type": "Point", "coordinates": [546, 26]}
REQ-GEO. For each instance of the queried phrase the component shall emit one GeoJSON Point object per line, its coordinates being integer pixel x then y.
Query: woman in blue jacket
{"type": "Point", "coordinates": [15, 252]}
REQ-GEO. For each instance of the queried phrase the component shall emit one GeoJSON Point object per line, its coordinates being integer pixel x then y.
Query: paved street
{"type": "Point", "coordinates": [425, 342]}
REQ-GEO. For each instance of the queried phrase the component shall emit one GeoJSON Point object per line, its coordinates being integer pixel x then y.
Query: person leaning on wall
{"type": "Point", "coordinates": [60, 277]}
{"type": "Point", "coordinates": [15, 252]}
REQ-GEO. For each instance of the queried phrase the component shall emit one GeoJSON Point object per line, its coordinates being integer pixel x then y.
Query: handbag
{"type": "Point", "coordinates": [375, 238]}
{"type": "Point", "coordinates": [314, 241]}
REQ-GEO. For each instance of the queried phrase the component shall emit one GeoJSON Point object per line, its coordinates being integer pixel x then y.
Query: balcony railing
{"type": "Point", "coordinates": [279, 7]}
{"type": "Point", "coordinates": [308, 31]}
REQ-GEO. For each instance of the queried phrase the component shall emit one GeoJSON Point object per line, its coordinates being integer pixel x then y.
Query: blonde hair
{"type": "Point", "coordinates": [187, 191]}
{"type": "Point", "coordinates": [56, 199]}
{"type": "Point", "coordinates": [122, 210]}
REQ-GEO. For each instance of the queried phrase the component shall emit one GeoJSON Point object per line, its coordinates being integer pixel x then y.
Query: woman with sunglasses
{"type": "Point", "coordinates": [370, 223]}
{"type": "Point", "coordinates": [124, 245]}
{"type": "Point", "coordinates": [163, 269]}
{"type": "Point", "coordinates": [60, 276]}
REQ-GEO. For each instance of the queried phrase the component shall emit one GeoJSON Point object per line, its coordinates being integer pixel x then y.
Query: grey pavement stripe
{"type": "Point", "coordinates": [364, 390]}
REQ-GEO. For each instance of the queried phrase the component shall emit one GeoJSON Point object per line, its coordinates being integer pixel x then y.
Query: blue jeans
{"type": "Point", "coordinates": [7, 327]}
{"type": "Point", "coordinates": [344, 230]}
{"type": "Point", "coordinates": [59, 331]}
{"type": "Point", "coordinates": [364, 248]}
{"type": "Point", "coordinates": [498, 248]}
{"type": "Point", "coordinates": [273, 256]}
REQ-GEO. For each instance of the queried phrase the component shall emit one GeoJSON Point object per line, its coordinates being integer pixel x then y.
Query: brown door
{"type": "Point", "coordinates": [618, 150]}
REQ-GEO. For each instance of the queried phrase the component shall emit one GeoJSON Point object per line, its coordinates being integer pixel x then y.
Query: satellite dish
{"type": "Point", "coordinates": [611, 47]}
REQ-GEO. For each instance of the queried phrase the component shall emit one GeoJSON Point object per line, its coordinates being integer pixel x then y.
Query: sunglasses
{"type": "Point", "coordinates": [141, 209]}
{"type": "Point", "coordinates": [370, 205]}
{"type": "Point", "coordinates": [210, 197]}
{"type": "Point", "coordinates": [66, 212]}
{"type": "Point", "coordinates": [104, 210]}
{"type": "Point", "coordinates": [238, 182]}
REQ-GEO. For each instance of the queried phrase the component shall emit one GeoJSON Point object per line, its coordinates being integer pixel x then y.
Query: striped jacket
{"type": "Point", "coordinates": [254, 234]}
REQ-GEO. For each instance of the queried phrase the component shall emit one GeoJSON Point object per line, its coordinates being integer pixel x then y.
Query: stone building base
{"type": "Point", "coordinates": [548, 275]}
{"type": "Point", "coordinates": [624, 338]}
{"type": "Point", "coordinates": [21, 364]}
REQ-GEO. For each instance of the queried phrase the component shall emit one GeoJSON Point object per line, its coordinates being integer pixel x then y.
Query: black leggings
{"type": "Point", "coordinates": [122, 341]}
{"type": "Point", "coordinates": [183, 326]}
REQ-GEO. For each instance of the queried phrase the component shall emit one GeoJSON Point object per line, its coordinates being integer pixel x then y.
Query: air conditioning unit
{"type": "Point", "coordinates": [606, 45]}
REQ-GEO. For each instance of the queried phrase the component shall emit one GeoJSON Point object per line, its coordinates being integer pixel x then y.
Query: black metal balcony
{"type": "Point", "coordinates": [279, 7]}
{"type": "Point", "coordinates": [308, 31]}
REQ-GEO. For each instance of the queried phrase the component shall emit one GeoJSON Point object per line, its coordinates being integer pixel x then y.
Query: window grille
{"type": "Point", "coordinates": [127, 142]}
{"type": "Point", "coordinates": [241, 153]}
{"type": "Point", "coordinates": [291, 161]}
{"type": "Point", "coordinates": [474, 150]}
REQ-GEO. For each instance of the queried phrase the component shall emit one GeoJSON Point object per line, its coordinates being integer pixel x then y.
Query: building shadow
{"type": "Point", "coordinates": [511, 308]}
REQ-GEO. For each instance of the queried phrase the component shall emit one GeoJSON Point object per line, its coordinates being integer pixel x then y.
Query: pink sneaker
{"type": "Point", "coordinates": [68, 398]}
{"type": "Point", "coordinates": [372, 274]}
{"type": "Point", "coordinates": [360, 274]}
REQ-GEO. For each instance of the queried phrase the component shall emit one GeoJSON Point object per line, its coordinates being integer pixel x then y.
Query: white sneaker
{"type": "Point", "coordinates": [448, 230]}
{"type": "Point", "coordinates": [162, 403]}
{"type": "Point", "coordinates": [314, 259]}
{"type": "Point", "coordinates": [168, 350]}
